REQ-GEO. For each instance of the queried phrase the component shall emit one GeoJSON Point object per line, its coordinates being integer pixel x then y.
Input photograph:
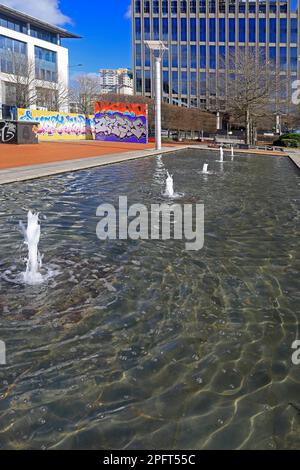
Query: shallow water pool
{"type": "Point", "coordinates": [142, 344]}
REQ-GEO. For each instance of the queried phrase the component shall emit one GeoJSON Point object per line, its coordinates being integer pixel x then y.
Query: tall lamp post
{"type": "Point", "coordinates": [157, 49]}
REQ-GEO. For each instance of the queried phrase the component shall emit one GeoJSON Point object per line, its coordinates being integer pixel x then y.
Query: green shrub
{"type": "Point", "coordinates": [288, 140]}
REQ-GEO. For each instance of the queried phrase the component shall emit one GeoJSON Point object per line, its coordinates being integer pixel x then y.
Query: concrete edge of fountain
{"type": "Point", "coordinates": [29, 172]}
{"type": "Point", "coordinates": [295, 159]}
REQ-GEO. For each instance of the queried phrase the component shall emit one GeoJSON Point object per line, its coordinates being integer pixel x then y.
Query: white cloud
{"type": "Point", "coordinates": [47, 10]}
{"type": "Point", "coordinates": [128, 12]}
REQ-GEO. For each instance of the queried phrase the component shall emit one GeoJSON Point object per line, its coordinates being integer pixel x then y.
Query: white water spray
{"type": "Point", "coordinates": [169, 186]}
{"type": "Point", "coordinates": [205, 168]}
{"type": "Point", "coordinates": [221, 154]}
{"type": "Point", "coordinates": [34, 261]}
{"type": "Point", "coordinates": [232, 153]}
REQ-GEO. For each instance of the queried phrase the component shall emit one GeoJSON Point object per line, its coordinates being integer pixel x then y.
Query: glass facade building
{"type": "Point", "coordinates": [203, 39]}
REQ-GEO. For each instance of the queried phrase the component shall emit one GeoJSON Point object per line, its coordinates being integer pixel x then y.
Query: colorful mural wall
{"type": "Point", "coordinates": [59, 126]}
{"type": "Point", "coordinates": [121, 122]}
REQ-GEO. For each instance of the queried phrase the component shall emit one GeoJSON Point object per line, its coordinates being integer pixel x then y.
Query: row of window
{"type": "Point", "coordinates": [208, 56]}
{"type": "Point", "coordinates": [21, 27]}
{"type": "Point", "coordinates": [182, 6]}
{"type": "Point", "coordinates": [207, 31]}
{"type": "Point", "coordinates": [12, 51]}
{"type": "Point", "coordinates": [188, 85]}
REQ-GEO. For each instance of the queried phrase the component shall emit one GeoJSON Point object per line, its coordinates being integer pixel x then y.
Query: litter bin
{"type": "Point", "coordinates": [17, 132]}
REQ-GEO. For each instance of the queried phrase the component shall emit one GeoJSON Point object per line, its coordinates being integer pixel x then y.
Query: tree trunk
{"type": "Point", "coordinates": [248, 127]}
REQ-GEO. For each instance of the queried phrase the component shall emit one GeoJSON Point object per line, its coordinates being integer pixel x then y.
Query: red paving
{"type": "Point", "coordinates": [12, 156]}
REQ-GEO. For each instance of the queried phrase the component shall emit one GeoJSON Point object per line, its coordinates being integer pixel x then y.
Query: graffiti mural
{"type": "Point", "coordinates": [59, 126]}
{"type": "Point", "coordinates": [121, 122]}
{"type": "Point", "coordinates": [8, 132]}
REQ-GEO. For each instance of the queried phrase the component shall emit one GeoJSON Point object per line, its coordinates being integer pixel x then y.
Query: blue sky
{"type": "Point", "coordinates": [106, 31]}
{"type": "Point", "coordinates": [104, 25]}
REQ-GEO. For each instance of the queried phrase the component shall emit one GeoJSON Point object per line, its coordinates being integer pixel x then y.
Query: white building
{"type": "Point", "coordinates": [34, 46]}
{"type": "Point", "coordinates": [117, 81]}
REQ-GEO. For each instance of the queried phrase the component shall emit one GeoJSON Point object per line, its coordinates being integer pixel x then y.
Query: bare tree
{"type": "Point", "coordinates": [20, 72]}
{"type": "Point", "coordinates": [84, 93]}
{"type": "Point", "coordinates": [251, 95]}
{"type": "Point", "coordinates": [52, 95]}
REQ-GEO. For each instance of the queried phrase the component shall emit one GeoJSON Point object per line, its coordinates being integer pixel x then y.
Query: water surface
{"type": "Point", "coordinates": [141, 344]}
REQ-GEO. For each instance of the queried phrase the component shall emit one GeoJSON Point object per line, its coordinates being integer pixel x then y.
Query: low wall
{"type": "Point", "coordinates": [55, 126]}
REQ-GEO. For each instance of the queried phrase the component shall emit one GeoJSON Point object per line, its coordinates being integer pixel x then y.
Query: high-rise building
{"type": "Point", "coordinates": [34, 66]}
{"type": "Point", "coordinates": [117, 81]}
{"type": "Point", "coordinates": [203, 36]}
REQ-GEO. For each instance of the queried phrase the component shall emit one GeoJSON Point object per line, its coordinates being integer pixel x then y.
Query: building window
{"type": "Point", "coordinates": [202, 57]}
{"type": "Point", "coordinates": [155, 7]}
{"type": "Point", "coordinates": [252, 30]}
{"type": "Point", "coordinates": [231, 30]}
{"type": "Point", "coordinates": [202, 6]}
{"type": "Point", "coordinates": [156, 28]}
{"type": "Point", "coordinates": [193, 6]}
{"type": "Point", "coordinates": [202, 29]}
{"type": "Point", "coordinates": [193, 33]}
{"type": "Point", "coordinates": [174, 29]}
{"type": "Point", "coordinates": [42, 34]}
{"type": "Point", "coordinates": [222, 29]}
{"type": "Point", "coordinates": [294, 30]}
{"type": "Point", "coordinates": [183, 29]}
{"type": "Point", "coordinates": [138, 6]}
{"type": "Point", "coordinates": [212, 30]}
{"type": "Point", "coordinates": [184, 57]}
{"type": "Point", "coordinates": [212, 57]}
{"type": "Point", "coordinates": [13, 56]}
{"type": "Point", "coordinates": [294, 58]}
{"type": "Point", "coordinates": [194, 84]}
{"type": "Point", "coordinates": [183, 6]}
{"type": "Point", "coordinates": [45, 64]}
{"type": "Point", "coordinates": [138, 54]}
{"type": "Point", "coordinates": [262, 30]}
{"type": "Point", "coordinates": [147, 81]}
{"type": "Point", "coordinates": [175, 83]}
{"type": "Point", "coordinates": [138, 81]}
{"type": "Point", "coordinates": [184, 83]}
{"type": "Point", "coordinates": [222, 57]}
{"type": "Point", "coordinates": [166, 87]}
{"type": "Point", "coordinates": [147, 6]}
{"type": "Point", "coordinates": [147, 56]}
{"type": "Point", "coordinates": [283, 58]}
{"type": "Point", "coordinates": [174, 56]}
{"type": "Point", "coordinates": [193, 57]}
{"type": "Point", "coordinates": [165, 29]}
{"type": "Point", "coordinates": [283, 30]}
{"type": "Point", "coordinates": [272, 29]}
{"type": "Point", "coordinates": [138, 29]}
{"type": "Point", "coordinates": [9, 23]}
{"type": "Point", "coordinates": [147, 28]}
{"type": "Point", "coordinates": [242, 30]}
{"type": "Point", "coordinates": [174, 7]}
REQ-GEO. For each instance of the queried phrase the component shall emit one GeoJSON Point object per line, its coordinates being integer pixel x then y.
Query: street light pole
{"type": "Point", "coordinates": [157, 48]}
{"type": "Point", "coordinates": [158, 102]}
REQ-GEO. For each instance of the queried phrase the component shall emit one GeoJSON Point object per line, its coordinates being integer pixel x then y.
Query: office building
{"type": "Point", "coordinates": [203, 37]}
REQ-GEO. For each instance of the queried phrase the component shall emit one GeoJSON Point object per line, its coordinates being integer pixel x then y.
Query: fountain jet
{"type": "Point", "coordinates": [169, 185]}
{"type": "Point", "coordinates": [221, 154]}
{"type": "Point", "coordinates": [32, 237]}
{"type": "Point", "coordinates": [205, 168]}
